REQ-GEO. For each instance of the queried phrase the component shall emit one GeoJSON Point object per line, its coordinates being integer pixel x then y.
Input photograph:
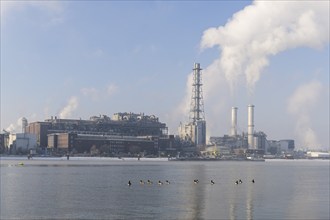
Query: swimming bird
{"type": "Point", "coordinates": [252, 180]}
{"type": "Point", "coordinates": [129, 183]}
{"type": "Point", "coordinates": [160, 182]}
{"type": "Point", "coordinates": [149, 182]}
{"type": "Point", "coordinates": [141, 182]}
{"type": "Point", "coordinates": [240, 181]}
{"type": "Point", "coordinates": [196, 181]}
{"type": "Point", "coordinates": [212, 182]}
{"type": "Point", "coordinates": [167, 182]}
{"type": "Point", "coordinates": [236, 182]}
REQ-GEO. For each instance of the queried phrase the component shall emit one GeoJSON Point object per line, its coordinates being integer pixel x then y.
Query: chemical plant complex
{"type": "Point", "coordinates": [140, 135]}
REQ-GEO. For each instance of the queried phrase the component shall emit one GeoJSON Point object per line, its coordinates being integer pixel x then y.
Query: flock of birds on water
{"type": "Point", "coordinates": [196, 181]}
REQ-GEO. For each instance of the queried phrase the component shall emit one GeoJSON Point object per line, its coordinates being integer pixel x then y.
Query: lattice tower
{"type": "Point", "coordinates": [197, 103]}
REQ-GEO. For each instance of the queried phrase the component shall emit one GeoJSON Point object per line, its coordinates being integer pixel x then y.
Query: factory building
{"type": "Point", "coordinates": [82, 143]}
{"type": "Point", "coordinates": [4, 139]}
{"type": "Point", "coordinates": [123, 132]}
{"type": "Point", "coordinates": [22, 142]}
{"type": "Point", "coordinates": [277, 147]}
{"type": "Point", "coordinates": [195, 130]}
{"type": "Point", "coordinates": [318, 155]}
{"type": "Point", "coordinates": [249, 142]}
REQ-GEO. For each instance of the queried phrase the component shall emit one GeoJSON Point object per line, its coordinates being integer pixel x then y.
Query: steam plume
{"type": "Point", "coordinates": [69, 108]}
{"type": "Point", "coordinates": [263, 29]}
{"type": "Point", "coordinates": [299, 105]}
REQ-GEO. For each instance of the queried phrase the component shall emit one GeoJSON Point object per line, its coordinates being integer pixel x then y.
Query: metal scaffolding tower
{"type": "Point", "coordinates": [197, 103]}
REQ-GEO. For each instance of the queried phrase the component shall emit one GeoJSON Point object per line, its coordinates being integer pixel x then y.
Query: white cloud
{"type": "Point", "coordinates": [53, 10]}
{"type": "Point", "coordinates": [99, 94]}
{"type": "Point", "coordinates": [98, 53]}
{"type": "Point", "coordinates": [112, 89]}
{"type": "Point", "coordinates": [93, 93]}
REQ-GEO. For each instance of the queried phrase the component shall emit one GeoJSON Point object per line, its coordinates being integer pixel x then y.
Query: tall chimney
{"type": "Point", "coordinates": [233, 121]}
{"type": "Point", "coordinates": [24, 124]}
{"type": "Point", "coordinates": [251, 126]}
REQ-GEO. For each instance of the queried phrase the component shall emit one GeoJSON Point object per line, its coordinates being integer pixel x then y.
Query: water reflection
{"type": "Point", "coordinates": [281, 191]}
{"type": "Point", "coordinates": [195, 193]}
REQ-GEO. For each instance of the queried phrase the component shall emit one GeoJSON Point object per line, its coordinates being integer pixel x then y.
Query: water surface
{"type": "Point", "coordinates": [97, 189]}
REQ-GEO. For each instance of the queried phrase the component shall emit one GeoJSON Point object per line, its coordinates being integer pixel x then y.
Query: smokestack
{"type": "Point", "coordinates": [251, 126]}
{"type": "Point", "coordinates": [24, 124]}
{"type": "Point", "coordinates": [233, 121]}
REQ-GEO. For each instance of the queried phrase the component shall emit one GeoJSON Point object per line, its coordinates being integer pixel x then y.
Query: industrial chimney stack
{"type": "Point", "coordinates": [251, 126]}
{"type": "Point", "coordinates": [233, 121]}
{"type": "Point", "coordinates": [24, 124]}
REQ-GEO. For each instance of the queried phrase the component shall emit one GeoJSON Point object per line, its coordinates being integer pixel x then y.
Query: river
{"type": "Point", "coordinates": [95, 188]}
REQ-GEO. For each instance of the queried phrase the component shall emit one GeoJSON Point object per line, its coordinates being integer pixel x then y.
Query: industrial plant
{"type": "Point", "coordinates": [140, 135]}
{"type": "Point", "coordinates": [194, 131]}
{"type": "Point", "coordinates": [247, 144]}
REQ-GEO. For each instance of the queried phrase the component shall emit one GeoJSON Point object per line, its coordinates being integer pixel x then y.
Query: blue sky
{"type": "Point", "coordinates": [76, 59]}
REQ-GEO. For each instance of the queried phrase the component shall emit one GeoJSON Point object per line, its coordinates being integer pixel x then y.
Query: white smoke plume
{"type": "Point", "coordinates": [263, 29]}
{"type": "Point", "coordinates": [15, 127]}
{"type": "Point", "coordinates": [300, 104]}
{"type": "Point", "coordinates": [69, 108]}
{"type": "Point", "coordinates": [181, 113]}
{"type": "Point", "coordinates": [246, 42]}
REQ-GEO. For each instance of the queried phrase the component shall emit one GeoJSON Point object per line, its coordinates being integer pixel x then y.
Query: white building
{"type": "Point", "coordinates": [318, 155]}
{"type": "Point", "coordinates": [194, 132]}
{"type": "Point", "coordinates": [23, 141]}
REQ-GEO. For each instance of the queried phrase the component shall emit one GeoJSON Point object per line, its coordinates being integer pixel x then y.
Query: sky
{"type": "Point", "coordinates": [77, 59]}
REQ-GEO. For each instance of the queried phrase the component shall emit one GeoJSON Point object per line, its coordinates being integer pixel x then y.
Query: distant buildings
{"type": "Point", "coordinates": [251, 142]}
{"type": "Point", "coordinates": [276, 147]}
{"type": "Point", "coordinates": [318, 155]}
{"type": "Point", "coordinates": [123, 133]}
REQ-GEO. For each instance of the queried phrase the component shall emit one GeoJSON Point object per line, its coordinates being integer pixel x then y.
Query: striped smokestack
{"type": "Point", "coordinates": [233, 121]}
{"type": "Point", "coordinates": [251, 126]}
